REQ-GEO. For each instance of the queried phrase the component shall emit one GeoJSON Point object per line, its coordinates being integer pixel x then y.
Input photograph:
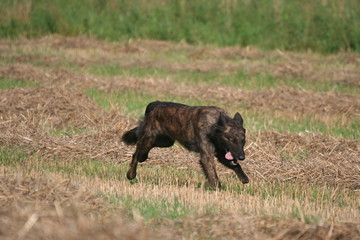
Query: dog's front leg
{"type": "Point", "coordinates": [241, 174]}
{"type": "Point", "coordinates": [208, 165]}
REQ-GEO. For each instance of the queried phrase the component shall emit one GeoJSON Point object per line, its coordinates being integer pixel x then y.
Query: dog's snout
{"type": "Point", "coordinates": [242, 157]}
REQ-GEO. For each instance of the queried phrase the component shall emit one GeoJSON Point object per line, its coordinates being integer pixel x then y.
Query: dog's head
{"type": "Point", "coordinates": [231, 138]}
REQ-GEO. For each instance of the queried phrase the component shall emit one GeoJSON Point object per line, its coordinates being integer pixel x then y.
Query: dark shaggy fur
{"type": "Point", "coordinates": [207, 130]}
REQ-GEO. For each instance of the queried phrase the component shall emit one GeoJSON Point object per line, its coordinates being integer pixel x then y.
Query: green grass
{"type": "Point", "coordinates": [324, 26]}
{"type": "Point", "coordinates": [151, 209]}
{"type": "Point", "coordinates": [12, 156]}
{"type": "Point", "coordinates": [260, 121]}
{"type": "Point", "coordinates": [113, 69]}
{"type": "Point", "coordinates": [6, 83]}
{"type": "Point", "coordinates": [134, 103]}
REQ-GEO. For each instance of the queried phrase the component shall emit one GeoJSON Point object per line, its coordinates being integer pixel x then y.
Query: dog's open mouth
{"type": "Point", "coordinates": [229, 156]}
{"type": "Point", "coordinates": [234, 162]}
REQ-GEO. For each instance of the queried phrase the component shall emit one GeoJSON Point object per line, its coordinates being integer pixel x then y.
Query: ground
{"type": "Point", "coordinates": [66, 101]}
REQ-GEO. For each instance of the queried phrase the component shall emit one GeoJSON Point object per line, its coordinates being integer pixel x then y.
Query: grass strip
{"type": "Point", "coordinates": [150, 209]}
{"type": "Point", "coordinates": [6, 84]}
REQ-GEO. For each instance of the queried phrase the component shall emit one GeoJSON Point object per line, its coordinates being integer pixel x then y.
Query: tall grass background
{"type": "Point", "coordinates": [324, 26]}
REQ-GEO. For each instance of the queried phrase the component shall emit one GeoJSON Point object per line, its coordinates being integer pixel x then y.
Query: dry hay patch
{"type": "Point", "coordinates": [196, 66]}
{"type": "Point", "coordinates": [306, 71]}
{"type": "Point", "coordinates": [136, 46]}
{"type": "Point", "coordinates": [103, 145]}
{"type": "Point", "coordinates": [28, 116]}
{"type": "Point", "coordinates": [66, 78]}
{"type": "Point", "coordinates": [305, 102]}
{"type": "Point", "coordinates": [57, 42]}
{"type": "Point", "coordinates": [100, 145]}
{"type": "Point", "coordinates": [57, 107]}
{"type": "Point", "coordinates": [23, 72]}
{"type": "Point", "coordinates": [82, 44]}
{"type": "Point", "coordinates": [39, 187]}
{"type": "Point", "coordinates": [233, 226]}
{"type": "Point", "coordinates": [228, 53]}
{"type": "Point", "coordinates": [39, 206]}
{"type": "Point", "coordinates": [346, 77]}
{"type": "Point", "coordinates": [304, 157]}
{"type": "Point", "coordinates": [288, 100]}
{"type": "Point", "coordinates": [308, 67]}
{"type": "Point", "coordinates": [59, 77]}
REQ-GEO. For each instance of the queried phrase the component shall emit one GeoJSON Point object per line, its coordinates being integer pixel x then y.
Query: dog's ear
{"type": "Point", "coordinates": [221, 121]}
{"type": "Point", "coordinates": [238, 118]}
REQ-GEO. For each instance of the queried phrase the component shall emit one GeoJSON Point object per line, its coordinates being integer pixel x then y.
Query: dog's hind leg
{"type": "Point", "coordinates": [143, 147]}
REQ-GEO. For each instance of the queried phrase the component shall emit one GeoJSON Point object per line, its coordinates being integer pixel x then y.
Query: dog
{"type": "Point", "coordinates": [207, 130]}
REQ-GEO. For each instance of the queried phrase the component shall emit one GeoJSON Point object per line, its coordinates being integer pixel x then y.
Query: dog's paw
{"type": "Point", "coordinates": [131, 175]}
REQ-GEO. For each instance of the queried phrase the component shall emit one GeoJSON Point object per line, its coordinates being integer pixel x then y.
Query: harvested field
{"type": "Point", "coordinates": [63, 165]}
{"type": "Point", "coordinates": [289, 102]}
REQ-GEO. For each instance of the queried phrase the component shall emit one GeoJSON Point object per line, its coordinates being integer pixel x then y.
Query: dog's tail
{"type": "Point", "coordinates": [130, 137]}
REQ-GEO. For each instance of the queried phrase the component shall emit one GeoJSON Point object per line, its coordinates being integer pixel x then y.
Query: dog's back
{"type": "Point", "coordinates": [183, 123]}
{"type": "Point", "coordinates": [157, 104]}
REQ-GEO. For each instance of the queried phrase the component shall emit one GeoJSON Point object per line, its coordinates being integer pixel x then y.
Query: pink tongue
{"type": "Point", "coordinates": [228, 156]}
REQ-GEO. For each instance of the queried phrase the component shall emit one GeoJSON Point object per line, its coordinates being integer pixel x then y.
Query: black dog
{"type": "Point", "coordinates": [207, 130]}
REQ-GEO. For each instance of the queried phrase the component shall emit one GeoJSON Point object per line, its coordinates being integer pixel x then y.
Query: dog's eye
{"type": "Point", "coordinates": [231, 139]}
